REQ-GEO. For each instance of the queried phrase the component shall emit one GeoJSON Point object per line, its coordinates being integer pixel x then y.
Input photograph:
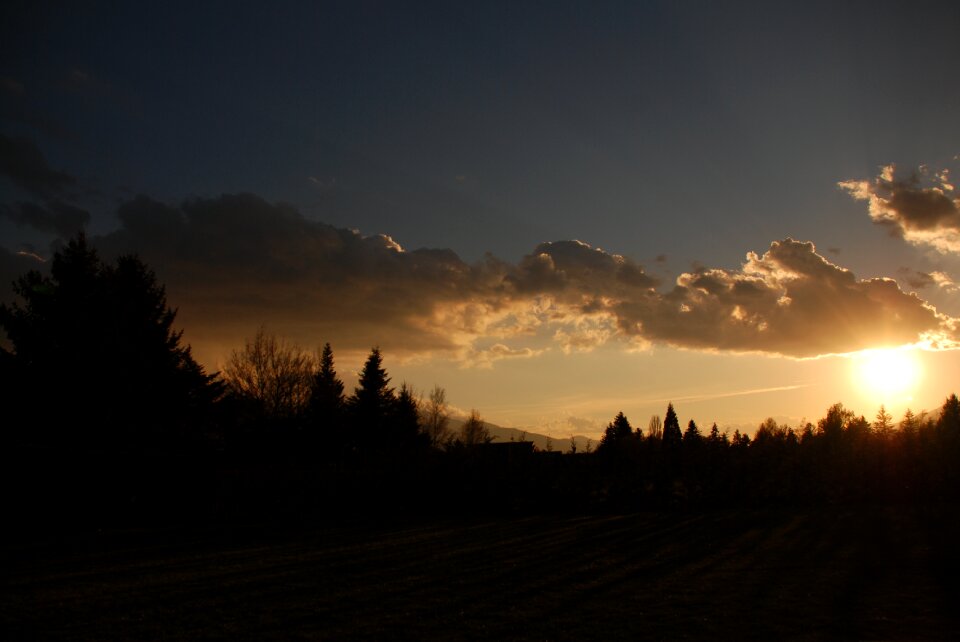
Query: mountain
{"type": "Point", "coordinates": [541, 442]}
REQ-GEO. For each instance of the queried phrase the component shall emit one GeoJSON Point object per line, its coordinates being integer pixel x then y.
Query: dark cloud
{"type": "Point", "coordinates": [26, 167]}
{"type": "Point", "coordinates": [923, 207]}
{"type": "Point", "coordinates": [60, 218]}
{"type": "Point", "coordinates": [234, 262]}
{"type": "Point", "coordinates": [18, 106]}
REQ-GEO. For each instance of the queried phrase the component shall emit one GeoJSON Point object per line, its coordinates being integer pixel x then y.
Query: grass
{"type": "Point", "coordinates": [847, 573]}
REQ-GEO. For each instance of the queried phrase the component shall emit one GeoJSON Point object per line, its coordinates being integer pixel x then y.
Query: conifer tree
{"type": "Point", "coordinates": [672, 436]}
{"type": "Point", "coordinates": [618, 432]}
{"type": "Point", "coordinates": [404, 432]}
{"type": "Point", "coordinates": [372, 404]}
{"type": "Point", "coordinates": [326, 393]}
{"type": "Point", "coordinates": [94, 346]}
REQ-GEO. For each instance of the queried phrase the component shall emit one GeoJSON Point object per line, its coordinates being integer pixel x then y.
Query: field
{"type": "Point", "coordinates": [849, 573]}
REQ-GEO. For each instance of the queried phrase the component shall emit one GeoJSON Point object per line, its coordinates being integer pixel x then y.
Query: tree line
{"type": "Point", "coordinates": [98, 380]}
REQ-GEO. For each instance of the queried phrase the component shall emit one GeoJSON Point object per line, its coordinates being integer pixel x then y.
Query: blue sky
{"type": "Point", "coordinates": [679, 135]}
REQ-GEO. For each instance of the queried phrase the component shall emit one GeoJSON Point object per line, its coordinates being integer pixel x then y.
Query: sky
{"type": "Point", "coordinates": [556, 211]}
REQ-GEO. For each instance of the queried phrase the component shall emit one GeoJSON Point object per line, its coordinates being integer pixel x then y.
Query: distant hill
{"type": "Point", "coordinates": [541, 442]}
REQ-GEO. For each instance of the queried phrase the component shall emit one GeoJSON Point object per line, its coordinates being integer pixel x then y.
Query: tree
{"type": "Point", "coordinates": [672, 436]}
{"type": "Point", "coordinates": [474, 431]}
{"type": "Point", "coordinates": [618, 432]}
{"type": "Point", "coordinates": [326, 394]}
{"type": "Point", "coordinates": [655, 428]}
{"type": "Point", "coordinates": [436, 417]}
{"type": "Point", "coordinates": [94, 346]}
{"type": "Point", "coordinates": [405, 429]}
{"type": "Point", "coordinates": [833, 424]}
{"type": "Point", "coordinates": [714, 434]}
{"type": "Point", "coordinates": [692, 434]}
{"type": "Point", "coordinates": [274, 377]}
{"type": "Point", "coordinates": [883, 424]}
{"type": "Point", "coordinates": [372, 404]}
{"type": "Point", "coordinates": [909, 424]}
{"type": "Point", "coordinates": [948, 424]}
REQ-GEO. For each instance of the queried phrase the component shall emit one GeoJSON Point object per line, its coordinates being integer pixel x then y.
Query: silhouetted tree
{"type": "Point", "coordinates": [436, 417]}
{"type": "Point", "coordinates": [948, 423]}
{"type": "Point", "coordinates": [372, 404]}
{"type": "Point", "coordinates": [655, 428]}
{"type": "Point", "coordinates": [672, 437]}
{"type": "Point", "coordinates": [271, 376]}
{"type": "Point", "coordinates": [714, 434]}
{"type": "Point", "coordinates": [691, 435]}
{"type": "Point", "coordinates": [884, 422]}
{"type": "Point", "coordinates": [909, 423]}
{"type": "Point", "coordinates": [326, 398]}
{"type": "Point", "coordinates": [474, 431]}
{"type": "Point", "coordinates": [833, 424]}
{"type": "Point", "coordinates": [740, 441]}
{"type": "Point", "coordinates": [404, 431]}
{"type": "Point", "coordinates": [94, 347]}
{"type": "Point", "coordinates": [618, 432]}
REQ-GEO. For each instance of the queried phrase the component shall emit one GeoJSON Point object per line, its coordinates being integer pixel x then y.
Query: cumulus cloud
{"type": "Point", "coordinates": [790, 301]}
{"type": "Point", "coordinates": [922, 207]}
{"type": "Point", "coordinates": [235, 262]}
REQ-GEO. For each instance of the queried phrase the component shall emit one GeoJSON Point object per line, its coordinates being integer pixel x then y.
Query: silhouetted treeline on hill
{"type": "Point", "coordinates": [109, 417]}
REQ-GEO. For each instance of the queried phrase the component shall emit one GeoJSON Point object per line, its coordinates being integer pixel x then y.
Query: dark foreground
{"type": "Point", "coordinates": [855, 573]}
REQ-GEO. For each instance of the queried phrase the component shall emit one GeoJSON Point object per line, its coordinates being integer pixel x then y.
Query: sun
{"type": "Point", "coordinates": [888, 374]}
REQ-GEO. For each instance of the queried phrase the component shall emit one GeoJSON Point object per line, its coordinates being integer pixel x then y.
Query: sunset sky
{"type": "Point", "coordinates": [556, 211]}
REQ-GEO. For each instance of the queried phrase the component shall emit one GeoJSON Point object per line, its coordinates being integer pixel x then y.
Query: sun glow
{"type": "Point", "coordinates": [888, 375]}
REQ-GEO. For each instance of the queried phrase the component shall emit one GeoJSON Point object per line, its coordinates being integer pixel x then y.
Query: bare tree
{"type": "Point", "coordinates": [474, 431]}
{"type": "Point", "coordinates": [436, 416]}
{"type": "Point", "coordinates": [655, 427]}
{"type": "Point", "coordinates": [271, 373]}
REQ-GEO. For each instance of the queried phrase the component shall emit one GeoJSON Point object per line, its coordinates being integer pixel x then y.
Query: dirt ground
{"type": "Point", "coordinates": [872, 573]}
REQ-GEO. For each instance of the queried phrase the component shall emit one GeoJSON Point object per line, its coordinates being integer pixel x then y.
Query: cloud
{"type": "Point", "coordinates": [23, 163]}
{"type": "Point", "coordinates": [235, 262]}
{"type": "Point", "coordinates": [923, 207]}
{"type": "Point", "coordinates": [920, 280]}
{"type": "Point", "coordinates": [485, 358]}
{"type": "Point", "coordinates": [789, 301]}
{"type": "Point", "coordinates": [63, 219]}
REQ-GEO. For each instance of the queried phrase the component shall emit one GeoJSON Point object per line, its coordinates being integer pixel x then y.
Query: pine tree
{"type": "Point", "coordinates": [372, 404]}
{"type": "Point", "coordinates": [884, 422]}
{"type": "Point", "coordinates": [672, 437]}
{"type": "Point", "coordinates": [404, 431]}
{"type": "Point", "coordinates": [714, 434]}
{"type": "Point", "coordinates": [692, 434]}
{"type": "Point", "coordinates": [948, 423]}
{"type": "Point", "coordinates": [326, 396]}
{"type": "Point", "coordinates": [94, 346]}
{"type": "Point", "coordinates": [618, 432]}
